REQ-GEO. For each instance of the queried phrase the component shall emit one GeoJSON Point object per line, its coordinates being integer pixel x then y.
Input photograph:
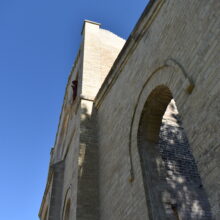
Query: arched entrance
{"type": "Point", "coordinates": [172, 183]}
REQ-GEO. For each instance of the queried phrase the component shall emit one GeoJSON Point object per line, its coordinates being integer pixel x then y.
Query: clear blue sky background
{"type": "Point", "coordinates": [39, 40]}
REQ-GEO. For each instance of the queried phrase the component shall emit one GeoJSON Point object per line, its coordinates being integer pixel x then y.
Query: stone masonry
{"type": "Point", "coordinates": [138, 135]}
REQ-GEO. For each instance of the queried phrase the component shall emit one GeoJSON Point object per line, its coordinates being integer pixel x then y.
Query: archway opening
{"type": "Point", "coordinates": [172, 183]}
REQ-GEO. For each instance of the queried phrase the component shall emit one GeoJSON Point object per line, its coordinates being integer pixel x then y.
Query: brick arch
{"type": "Point", "coordinates": [149, 154]}
{"type": "Point", "coordinates": [173, 188]}
{"type": "Point", "coordinates": [153, 112]}
{"type": "Point", "coordinates": [170, 74]}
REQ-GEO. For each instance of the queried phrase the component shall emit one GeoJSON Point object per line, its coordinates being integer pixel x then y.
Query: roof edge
{"type": "Point", "coordinates": [136, 35]}
{"type": "Point", "coordinates": [91, 22]}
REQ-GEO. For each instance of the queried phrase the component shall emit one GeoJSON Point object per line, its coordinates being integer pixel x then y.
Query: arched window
{"type": "Point", "coordinates": [171, 180]}
{"type": "Point", "coordinates": [67, 211]}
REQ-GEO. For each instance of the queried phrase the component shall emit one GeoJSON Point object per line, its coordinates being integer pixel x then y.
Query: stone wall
{"type": "Point", "coordinates": [56, 192]}
{"type": "Point", "coordinates": [88, 188]}
{"type": "Point", "coordinates": [76, 139]}
{"type": "Point", "coordinates": [172, 53]}
{"type": "Point", "coordinates": [100, 50]}
{"type": "Point", "coordinates": [176, 43]}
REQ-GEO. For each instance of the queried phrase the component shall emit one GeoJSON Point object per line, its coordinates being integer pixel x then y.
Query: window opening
{"type": "Point", "coordinates": [74, 88]}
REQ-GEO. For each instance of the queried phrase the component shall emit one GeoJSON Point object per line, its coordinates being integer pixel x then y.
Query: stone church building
{"type": "Point", "coordinates": [138, 135]}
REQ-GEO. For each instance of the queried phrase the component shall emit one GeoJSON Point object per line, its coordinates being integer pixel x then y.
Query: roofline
{"type": "Point", "coordinates": [91, 22]}
{"type": "Point", "coordinates": [136, 35]}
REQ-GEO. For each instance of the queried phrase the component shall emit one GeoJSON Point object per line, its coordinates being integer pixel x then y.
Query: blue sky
{"type": "Point", "coordinates": [39, 40]}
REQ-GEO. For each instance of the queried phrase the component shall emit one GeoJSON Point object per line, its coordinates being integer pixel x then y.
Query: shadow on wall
{"type": "Point", "coordinates": [171, 179]}
{"type": "Point", "coordinates": [185, 190]}
{"type": "Point", "coordinates": [87, 198]}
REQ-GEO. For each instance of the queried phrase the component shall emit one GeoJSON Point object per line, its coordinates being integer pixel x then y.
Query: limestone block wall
{"type": "Point", "coordinates": [176, 44]}
{"type": "Point", "coordinates": [65, 151]}
{"type": "Point", "coordinates": [71, 170]}
{"type": "Point", "coordinates": [56, 191]}
{"type": "Point", "coordinates": [74, 189]}
{"type": "Point", "coordinates": [100, 50]}
{"type": "Point", "coordinates": [88, 187]}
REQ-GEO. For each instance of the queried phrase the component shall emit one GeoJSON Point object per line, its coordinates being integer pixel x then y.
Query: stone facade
{"type": "Point", "coordinates": [122, 149]}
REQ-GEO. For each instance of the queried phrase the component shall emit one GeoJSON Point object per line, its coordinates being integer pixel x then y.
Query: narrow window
{"type": "Point", "coordinates": [74, 87]}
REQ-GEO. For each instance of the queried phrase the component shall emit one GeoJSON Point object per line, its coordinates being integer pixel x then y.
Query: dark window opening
{"type": "Point", "coordinates": [74, 87]}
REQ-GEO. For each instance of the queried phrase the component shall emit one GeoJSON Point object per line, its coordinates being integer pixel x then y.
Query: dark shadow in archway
{"type": "Point", "coordinates": [172, 183]}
